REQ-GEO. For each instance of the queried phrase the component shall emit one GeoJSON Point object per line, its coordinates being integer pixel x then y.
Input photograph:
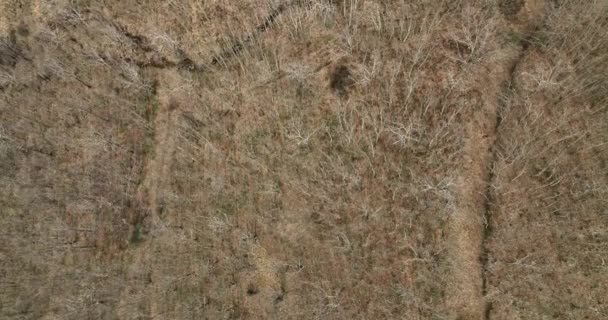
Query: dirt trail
{"type": "Point", "coordinates": [158, 165]}
{"type": "Point", "coordinates": [469, 226]}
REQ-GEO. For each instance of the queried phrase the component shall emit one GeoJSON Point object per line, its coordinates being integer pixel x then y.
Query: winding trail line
{"type": "Point", "coordinates": [470, 225]}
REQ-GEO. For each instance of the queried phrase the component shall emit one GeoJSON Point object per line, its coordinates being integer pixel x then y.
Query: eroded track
{"type": "Point", "coordinates": [469, 226]}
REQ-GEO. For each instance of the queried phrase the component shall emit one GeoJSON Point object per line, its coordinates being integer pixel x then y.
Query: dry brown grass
{"type": "Point", "coordinates": [549, 218]}
{"type": "Point", "coordinates": [303, 160]}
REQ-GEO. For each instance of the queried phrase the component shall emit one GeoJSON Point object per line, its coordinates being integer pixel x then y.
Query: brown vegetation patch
{"type": "Point", "coordinates": [340, 79]}
{"type": "Point", "coordinates": [302, 159]}
{"type": "Point", "coordinates": [510, 8]}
